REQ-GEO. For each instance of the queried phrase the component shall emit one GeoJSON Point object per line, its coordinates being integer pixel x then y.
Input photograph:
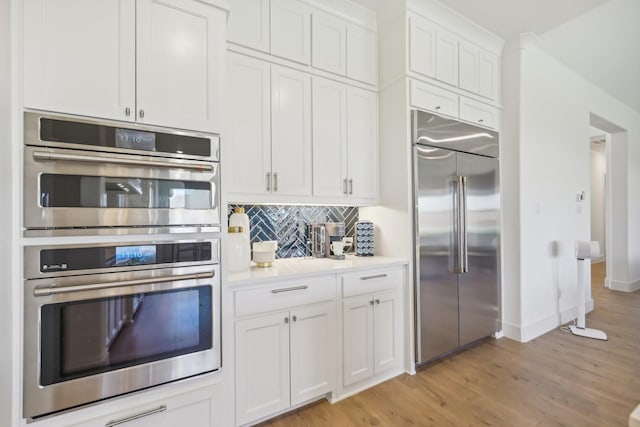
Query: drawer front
{"type": "Point", "coordinates": [370, 281]}
{"type": "Point", "coordinates": [432, 98]}
{"type": "Point", "coordinates": [478, 113]}
{"type": "Point", "coordinates": [283, 295]}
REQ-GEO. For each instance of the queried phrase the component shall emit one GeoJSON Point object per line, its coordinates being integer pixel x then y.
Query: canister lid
{"type": "Point", "coordinates": [235, 229]}
{"type": "Point", "coordinates": [238, 210]}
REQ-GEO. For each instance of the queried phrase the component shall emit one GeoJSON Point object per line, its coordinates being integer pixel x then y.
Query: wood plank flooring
{"type": "Point", "coordinates": [555, 380]}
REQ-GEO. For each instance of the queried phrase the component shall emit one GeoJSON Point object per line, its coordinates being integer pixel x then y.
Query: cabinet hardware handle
{"type": "Point", "coordinates": [275, 181]}
{"type": "Point", "coordinates": [127, 111]}
{"type": "Point", "coordinates": [51, 290]}
{"type": "Point", "coordinates": [377, 301]}
{"type": "Point", "coordinates": [481, 120]}
{"type": "Point", "coordinates": [371, 302]}
{"type": "Point", "coordinates": [375, 276]}
{"type": "Point", "coordinates": [351, 186]}
{"type": "Point", "coordinates": [437, 107]}
{"type": "Point", "coordinates": [47, 156]}
{"type": "Point", "coordinates": [344, 187]}
{"type": "Point", "coordinates": [159, 409]}
{"type": "Point", "coordinates": [286, 320]}
{"type": "Point", "coordinates": [268, 181]}
{"type": "Point", "coordinates": [295, 288]}
{"type": "Point", "coordinates": [295, 318]}
{"type": "Point", "coordinates": [141, 113]}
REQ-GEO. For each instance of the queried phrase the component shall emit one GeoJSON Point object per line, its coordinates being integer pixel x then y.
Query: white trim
{"type": "Point", "coordinates": [616, 285]}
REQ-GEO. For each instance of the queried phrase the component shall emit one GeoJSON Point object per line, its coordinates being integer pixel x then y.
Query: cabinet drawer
{"type": "Point", "coordinates": [479, 113]}
{"type": "Point", "coordinates": [278, 296]}
{"type": "Point", "coordinates": [370, 281]}
{"type": "Point", "coordinates": [432, 98]}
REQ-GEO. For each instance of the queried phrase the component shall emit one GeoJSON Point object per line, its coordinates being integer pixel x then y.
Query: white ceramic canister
{"type": "Point", "coordinates": [240, 219]}
{"type": "Point", "coordinates": [238, 250]}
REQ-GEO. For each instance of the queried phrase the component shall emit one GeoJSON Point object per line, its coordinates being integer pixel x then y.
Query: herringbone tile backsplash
{"type": "Point", "coordinates": [289, 225]}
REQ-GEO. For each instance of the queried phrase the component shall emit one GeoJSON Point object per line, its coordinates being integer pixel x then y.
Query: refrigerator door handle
{"type": "Point", "coordinates": [459, 262]}
{"type": "Point", "coordinates": [464, 259]}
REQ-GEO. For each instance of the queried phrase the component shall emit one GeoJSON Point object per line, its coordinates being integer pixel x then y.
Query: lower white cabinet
{"type": "Point", "coordinates": [198, 408]}
{"type": "Point", "coordinates": [283, 359]}
{"type": "Point", "coordinates": [371, 324]}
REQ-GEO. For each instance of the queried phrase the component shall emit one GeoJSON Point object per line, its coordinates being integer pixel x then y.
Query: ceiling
{"type": "Point", "coordinates": [599, 39]}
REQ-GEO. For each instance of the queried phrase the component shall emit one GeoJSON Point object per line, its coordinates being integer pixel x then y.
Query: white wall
{"type": "Point", "coordinates": [598, 170]}
{"type": "Point", "coordinates": [554, 159]}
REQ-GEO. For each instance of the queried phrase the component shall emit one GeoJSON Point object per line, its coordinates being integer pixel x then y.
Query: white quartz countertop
{"type": "Point", "coordinates": [291, 268]}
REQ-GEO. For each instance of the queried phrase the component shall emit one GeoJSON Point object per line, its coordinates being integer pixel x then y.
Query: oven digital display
{"type": "Point", "coordinates": [135, 139]}
{"type": "Point", "coordinates": [135, 255]}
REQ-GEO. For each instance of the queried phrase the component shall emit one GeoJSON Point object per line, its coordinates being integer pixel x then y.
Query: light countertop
{"type": "Point", "coordinates": [292, 268]}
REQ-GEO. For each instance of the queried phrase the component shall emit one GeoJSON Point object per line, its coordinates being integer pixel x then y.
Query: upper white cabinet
{"type": "Point", "coordinates": [362, 139]}
{"type": "Point", "coordinates": [329, 43]}
{"type": "Point", "coordinates": [291, 30]}
{"type": "Point", "coordinates": [249, 24]}
{"type": "Point", "coordinates": [435, 53]}
{"type": "Point", "coordinates": [156, 62]}
{"type": "Point", "coordinates": [362, 54]}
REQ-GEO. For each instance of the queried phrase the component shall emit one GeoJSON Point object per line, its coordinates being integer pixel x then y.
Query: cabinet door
{"type": "Point", "coordinates": [362, 141]}
{"type": "Point", "coordinates": [181, 46]}
{"type": "Point", "coordinates": [248, 125]}
{"type": "Point", "coordinates": [422, 46]}
{"type": "Point", "coordinates": [248, 24]}
{"type": "Point", "coordinates": [290, 131]}
{"type": "Point", "coordinates": [488, 75]}
{"type": "Point", "coordinates": [313, 353]}
{"type": "Point", "coordinates": [291, 30]}
{"type": "Point", "coordinates": [468, 67]}
{"type": "Point", "coordinates": [262, 366]}
{"type": "Point", "coordinates": [479, 113]}
{"type": "Point", "coordinates": [79, 57]}
{"type": "Point", "coordinates": [362, 54]}
{"type": "Point", "coordinates": [329, 138]}
{"type": "Point", "coordinates": [387, 331]}
{"type": "Point", "coordinates": [357, 338]}
{"type": "Point", "coordinates": [446, 57]}
{"type": "Point", "coordinates": [329, 43]}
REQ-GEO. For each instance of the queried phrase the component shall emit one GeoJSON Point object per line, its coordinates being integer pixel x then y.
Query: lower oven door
{"type": "Point", "coordinates": [92, 337]}
{"type": "Point", "coordinates": [74, 188]}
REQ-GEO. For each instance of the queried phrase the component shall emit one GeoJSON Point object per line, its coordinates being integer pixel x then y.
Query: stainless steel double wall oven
{"type": "Point", "coordinates": [105, 316]}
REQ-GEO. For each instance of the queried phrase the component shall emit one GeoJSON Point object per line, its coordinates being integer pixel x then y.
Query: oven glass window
{"type": "Point", "coordinates": [78, 191]}
{"type": "Point", "coordinates": [84, 338]}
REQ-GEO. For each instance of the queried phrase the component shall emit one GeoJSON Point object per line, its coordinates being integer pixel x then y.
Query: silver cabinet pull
{"type": "Point", "coordinates": [52, 290]}
{"type": "Point", "coordinates": [127, 111]}
{"type": "Point", "coordinates": [375, 276]}
{"type": "Point", "coordinates": [268, 181]}
{"type": "Point", "coordinates": [275, 181]}
{"type": "Point", "coordinates": [295, 318]}
{"type": "Point", "coordinates": [437, 107]}
{"type": "Point", "coordinates": [286, 320]}
{"type": "Point", "coordinates": [481, 120]}
{"type": "Point", "coordinates": [141, 113]}
{"type": "Point", "coordinates": [295, 288]}
{"type": "Point", "coordinates": [113, 423]}
{"type": "Point", "coordinates": [371, 302]}
{"type": "Point", "coordinates": [47, 156]}
{"type": "Point", "coordinates": [344, 187]}
{"type": "Point", "coordinates": [377, 301]}
{"type": "Point", "coordinates": [351, 186]}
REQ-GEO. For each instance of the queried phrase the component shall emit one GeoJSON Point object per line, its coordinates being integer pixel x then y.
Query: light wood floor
{"type": "Point", "coordinates": [555, 380]}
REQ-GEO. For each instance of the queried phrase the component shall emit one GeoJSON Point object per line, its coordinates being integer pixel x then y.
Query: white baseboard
{"type": "Point", "coordinates": [542, 326]}
{"type": "Point", "coordinates": [616, 285]}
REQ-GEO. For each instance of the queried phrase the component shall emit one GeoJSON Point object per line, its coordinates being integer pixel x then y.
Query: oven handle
{"type": "Point", "coordinates": [43, 292]}
{"type": "Point", "coordinates": [47, 156]}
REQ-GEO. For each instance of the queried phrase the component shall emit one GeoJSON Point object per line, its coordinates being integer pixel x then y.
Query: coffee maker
{"type": "Point", "coordinates": [334, 233]}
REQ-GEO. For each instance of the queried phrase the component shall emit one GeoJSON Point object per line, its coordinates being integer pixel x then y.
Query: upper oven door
{"type": "Point", "coordinates": [73, 189]}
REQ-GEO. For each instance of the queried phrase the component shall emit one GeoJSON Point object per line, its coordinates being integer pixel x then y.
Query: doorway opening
{"type": "Point", "coordinates": [598, 145]}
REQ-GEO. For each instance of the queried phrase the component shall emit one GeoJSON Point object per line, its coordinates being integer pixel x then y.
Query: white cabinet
{"type": "Point", "coordinates": [478, 113]}
{"type": "Point", "coordinates": [372, 324]}
{"type": "Point", "coordinates": [147, 61]}
{"type": "Point", "coordinates": [422, 46]}
{"type": "Point", "coordinates": [248, 24]}
{"type": "Point", "coordinates": [362, 54]}
{"type": "Point", "coordinates": [432, 98]}
{"type": "Point", "coordinates": [329, 43]}
{"type": "Point", "coordinates": [290, 132]}
{"type": "Point", "coordinates": [479, 71]}
{"type": "Point", "coordinates": [291, 30]}
{"type": "Point", "coordinates": [446, 57]}
{"type": "Point", "coordinates": [489, 75]}
{"type": "Point", "coordinates": [283, 359]}
{"type": "Point", "coordinates": [468, 66]}
{"type": "Point", "coordinates": [268, 129]}
{"type": "Point", "coordinates": [345, 145]}
{"type": "Point", "coordinates": [199, 408]}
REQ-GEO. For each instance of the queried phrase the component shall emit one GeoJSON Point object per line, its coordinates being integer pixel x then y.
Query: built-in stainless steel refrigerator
{"type": "Point", "coordinates": [457, 232]}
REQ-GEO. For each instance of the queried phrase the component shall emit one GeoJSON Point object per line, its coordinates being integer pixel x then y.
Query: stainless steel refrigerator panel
{"type": "Point", "coordinates": [479, 289]}
{"type": "Point", "coordinates": [436, 131]}
{"type": "Point", "coordinates": [436, 284]}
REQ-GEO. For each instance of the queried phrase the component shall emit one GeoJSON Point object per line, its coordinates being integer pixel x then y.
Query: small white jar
{"type": "Point", "coordinates": [238, 250]}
